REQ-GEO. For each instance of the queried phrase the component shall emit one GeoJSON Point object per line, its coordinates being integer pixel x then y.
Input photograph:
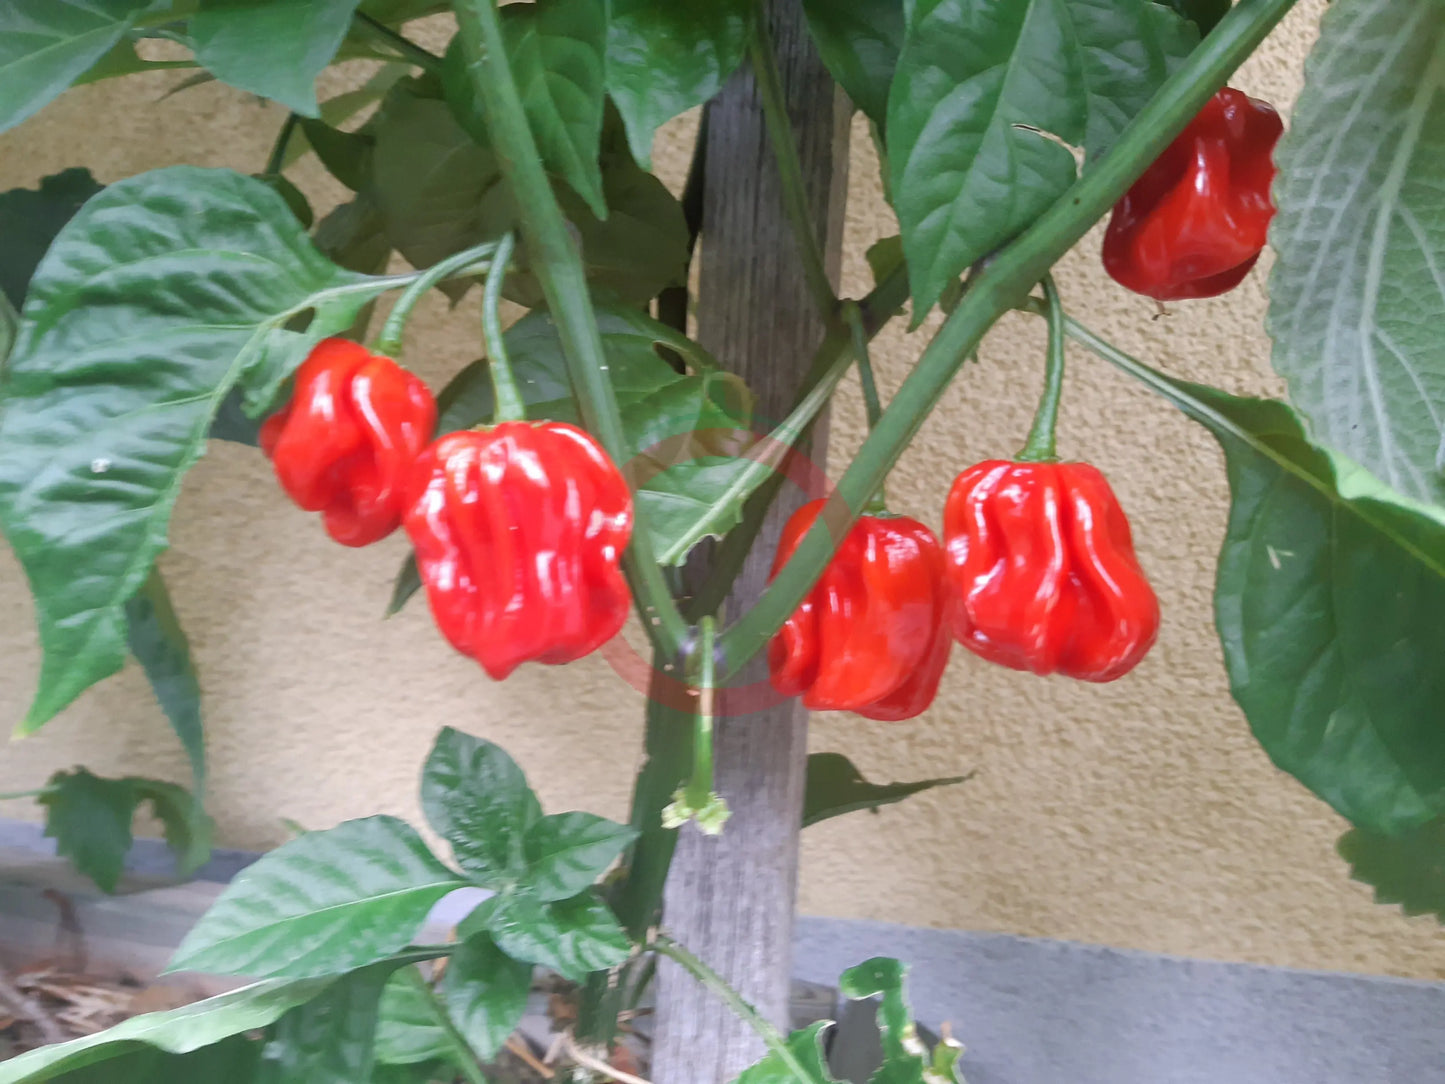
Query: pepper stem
{"type": "Point", "coordinates": [853, 315]}
{"type": "Point", "coordinates": [469, 261]}
{"type": "Point", "coordinates": [1040, 447]}
{"type": "Point", "coordinates": [697, 800]}
{"type": "Point", "coordinates": [507, 397]}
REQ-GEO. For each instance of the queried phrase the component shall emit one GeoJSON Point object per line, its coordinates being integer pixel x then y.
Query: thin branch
{"type": "Point", "coordinates": [597, 1065]}
{"type": "Point", "coordinates": [409, 50]}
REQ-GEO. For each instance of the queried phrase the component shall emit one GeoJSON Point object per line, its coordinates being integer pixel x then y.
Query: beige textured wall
{"type": "Point", "coordinates": [1139, 814]}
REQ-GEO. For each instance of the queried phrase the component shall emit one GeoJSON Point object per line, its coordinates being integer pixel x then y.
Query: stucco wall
{"type": "Point", "coordinates": [1138, 814]}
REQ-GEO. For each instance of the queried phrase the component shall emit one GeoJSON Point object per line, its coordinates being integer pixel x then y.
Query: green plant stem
{"type": "Point", "coordinates": [381, 33]}
{"type": "Point", "coordinates": [1041, 446]}
{"type": "Point", "coordinates": [510, 406]}
{"type": "Point", "coordinates": [878, 503]}
{"type": "Point", "coordinates": [469, 261]}
{"type": "Point", "coordinates": [666, 946]}
{"type": "Point", "coordinates": [999, 286]}
{"type": "Point", "coordinates": [277, 157]}
{"type": "Point", "coordinates": [558, 267]}
{"type": "Point", "coordinates": [20, 795]}
{"type": "Point", "coordinates": [790, 169]}
{"type": "Point", "coordinates": [466, 1058]}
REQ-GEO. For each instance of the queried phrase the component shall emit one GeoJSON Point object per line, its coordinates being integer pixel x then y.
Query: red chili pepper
{"type": "Point", "coordinates": [1043, 561]}
{"type": "Point", "coordinates": [872, 636]}
{"type": "Point", "coordinates": [518, 531]}
{"type": "Point", "coordinates": [345, 442]}
{"type": "Point", "coordinates": [1196, 221]}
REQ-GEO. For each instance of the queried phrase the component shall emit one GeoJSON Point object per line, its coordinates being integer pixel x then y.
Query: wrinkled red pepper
{"type": "Point", "coordinates": [1043, 562]}
{"type": "Point", "coordinates": [518, 531]}
{"type": "Point", "coordinates": [872, 636]}
{"type": "Point", "coordinates": [345, 442]}
{"type": "Point", "coordinates": [1196, 220]}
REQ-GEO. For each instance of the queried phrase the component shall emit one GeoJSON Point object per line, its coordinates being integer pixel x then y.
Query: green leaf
{"type": "Point", "coordinates": [905, 1059]}
{"type": "Point", "coordinates": [685, 432]}
{"type": "Point", "coordinates": [353, 236]}
{"type": "Point", "coordinates": [9, 328]}
{"type": "Point", "coordinates": [295, 199]}
{"type": "Point", "coordinates": [1357, 294]}
{"type": "Point", "coordinates": [408, 583]}
{"type": "Point", "coordinates": [274, 48]}
{"type": "Point", "coordinates": [336, 111]}
{"type": "Point", "coordinates": [666, 56]}
{"type": "Point", "coordinates": [90, 820]}
{"type": "Point", "coordinates": [485, 993]}
{"type": "Point", "coordinates": [159, 644]}
{"type": "Point", "coordinates": [346, 155]}
{"type": "Point", "coordinates": [234, 1060]}
{"type": "Point", "coordinates": [558, 54]}
{"type": "Point", "coordinates": [395, 12]}
{"type": "Point", "coordinates": [323, 903]}
{"type": "Point", "coordinates": [835, 786]}
{"type": "Point", "coordinates": [478, 800]}
{"type": "Point", "coordinates": [45, 45]}
{"type": "Point", "coordinates": [1202, 13]}
{"type": "Point", "coordinates": [29, 221]}
{"type": "Point", "coordinates": [166, 291]}
{"type": "Point", "coordinates": [1330, 601]}
{"type": "Point", "coordinates": [859, 41]}
{"type": "Point", "coordinates": [188, 829]}
{"type": "Point", "coordinates": [176, 1031]}
{"type": "Point", "coordinates": [566, 852]}
{"type": "Point", "coordinates": [437, 191]}
{"type": "Point", "coordinates": [806, 1046]}
{"type": "Point", "coordinates": [983, 95]}
{"type": "Point", "coordinates": [572, 937]}
{"type": "Point", "coordinates": [330, 1039]}
{"type": "Point", "coordinates": [1408, 870]}
{"type": "Point", "coordinates": [407, 1031]}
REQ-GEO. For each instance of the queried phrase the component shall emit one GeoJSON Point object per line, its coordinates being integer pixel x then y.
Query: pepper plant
{"type": "Point", "coordinates": [577, 470]}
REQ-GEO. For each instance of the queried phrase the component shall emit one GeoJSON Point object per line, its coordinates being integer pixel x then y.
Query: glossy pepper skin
{"type": "Point", "coordinates": [344, 445]}
{"type": "Point", "coordinates": [518, 532]}
{"type": "Point", "coordinates": [1042, 560]}
{"type": "Point", "coordinates": [1196, 221]}
{"type": "Point", "coordinates": [872, 636]}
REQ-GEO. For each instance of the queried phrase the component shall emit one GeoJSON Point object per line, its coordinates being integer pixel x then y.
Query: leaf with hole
{"type": "Point", "coordinates": [1407, 870]}
{"type": "Point", "coordinates": [274, 48]}
{"type": "Point", "coordinates": [806, 1047]}
{"type": "Point", "coordinates": [166, 291]}
{"type": "Point", "coordinates": [324, 903]}
{"type": "Point", "coordinates": [835, 786]}
{"type": "Point", "coordinates": [989, 101]}
{"type": "Point", "coordinates": [1357, 294]}
{"type": "Point", "coordinates": [906, 1060]}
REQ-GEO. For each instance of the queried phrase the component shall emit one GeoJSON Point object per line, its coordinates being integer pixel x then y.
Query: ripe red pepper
{"type": "Point", "coordinates": [1043, 562]}
{"type": "Point", "coordinates": [345, 442]}
{"type": "Point", "coordinates": [1196, 221]}
{"type": "Point", "coordinates": [518, 531]}
{"type": "Point", "coordinates": [872, 636]}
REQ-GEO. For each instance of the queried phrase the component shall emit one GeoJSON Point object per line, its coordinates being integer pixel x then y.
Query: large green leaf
{"type": "Point", "coordinates": [45, 45]}
{"type": "Point", "coordinates": [176, 1031]}
{"type": "Point", "coordinates": [566, 852]}
{"type": "Point", "coordinates": [156, 639]}
{"type": "Point", "coordinates": [407, 1029]}
{"type": "Point", "coordinates": [986, 97]}
{"type": "Point", "coordinates": [274, 48]}
{"type": "Point", "coordinates": [166, 291]}
{"type": "Point", "coordinates": [234, 1060]}
{"type": "Point", "coordinates": [1357, 295]}
{"type": "Point", "coordinates": [330, 1039]}
{"type": "Point", "coordinates": [1408, 870]}
{"type": "Point", "coordinates": [29, 221]}
{"type": "Point", "coordinates": [666, 56]}
{"type": "Point", "coordinates": [558, 54]}
{"type": "Point", "coordinates": [835, 786]}
{"type": "Point", "coordinates": [1330, 604]}
{"type": "Point", "coordinates": [323, 903]}
{"type": "Point", "coordinates": [485, 993]}
{"type": "Point", "coordinates": [478, 800]}
{"type": "Point", "coordinates": [573, 937]}
{"type": "Point", "coordinates": [89, 817]}
{"type": "Point", "coordinates": [859, 41]}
